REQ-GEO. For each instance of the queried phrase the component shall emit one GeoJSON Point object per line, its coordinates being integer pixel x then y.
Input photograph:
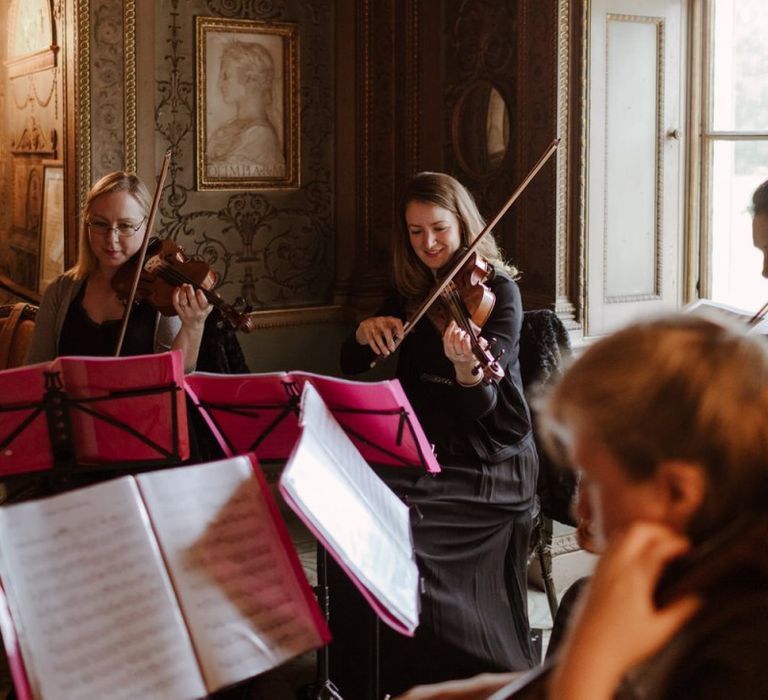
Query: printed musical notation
{"type": "Point", "coordinates": [182, 580]}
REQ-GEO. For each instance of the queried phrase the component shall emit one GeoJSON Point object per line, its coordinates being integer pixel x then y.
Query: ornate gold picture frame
{"type": "Point", "coordinates": [247, 95]}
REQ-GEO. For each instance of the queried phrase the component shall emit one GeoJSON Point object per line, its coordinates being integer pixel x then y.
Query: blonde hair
{"type": "Point", "coordinates": [412, 279]}
{"type": "Point", "coordinates": [678, 387]}
{"type": "Point", "coordinates": [118, 181]}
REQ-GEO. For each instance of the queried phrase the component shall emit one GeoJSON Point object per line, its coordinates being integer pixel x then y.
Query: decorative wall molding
{"type": "Point", "coordinates": [83, 102]}
{"type": "Point", "coordinates": [272, 248]}
{"type": "Point", "coordinates": [566, 228]}
{"type": "Point", "coordinates": [656, 292]}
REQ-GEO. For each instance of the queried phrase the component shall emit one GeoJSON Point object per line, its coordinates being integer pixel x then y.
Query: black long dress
{"type": "Point", "coordinates": [471, 523]}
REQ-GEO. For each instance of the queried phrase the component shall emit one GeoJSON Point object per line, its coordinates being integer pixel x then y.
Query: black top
{"type": "Point", "coordinates": [485, 423]}
{"type": "Point", "coordinates": [82, 336]}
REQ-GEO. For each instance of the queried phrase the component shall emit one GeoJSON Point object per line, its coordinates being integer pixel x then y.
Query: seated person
{"type": "Point", "coordinates": [675, 467]}
{"type": "Point", "coordinates": [81, 314]}
{"type": "Point", "coordinates": [472, 521]}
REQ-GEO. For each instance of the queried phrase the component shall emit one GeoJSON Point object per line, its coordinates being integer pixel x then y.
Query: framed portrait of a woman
{"type": "Point", "coordinates": [247, 92]}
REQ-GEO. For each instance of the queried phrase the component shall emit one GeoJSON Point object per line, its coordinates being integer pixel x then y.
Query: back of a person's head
{"type": "Point", "coordinates": [677, 387]}
{"type": "Point", "coordinates": [760, 200]}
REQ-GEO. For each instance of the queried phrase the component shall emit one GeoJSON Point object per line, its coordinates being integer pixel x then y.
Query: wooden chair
{"type": "Point", "coordinates": [17, 323]}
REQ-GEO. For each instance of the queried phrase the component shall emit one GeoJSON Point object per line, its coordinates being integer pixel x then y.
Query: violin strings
{"type": "Point", "coordinates": [177, 278]}
{"type": "Point", "coordinates": [456, 305]}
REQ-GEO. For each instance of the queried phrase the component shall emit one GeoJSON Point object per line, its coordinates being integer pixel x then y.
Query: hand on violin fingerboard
{"type": "Point", "coordinates": [457, 345]}
{"type": "Point", "coordinates": [380, 333]}
{"type": "Point", "coordinates": [192, 306]}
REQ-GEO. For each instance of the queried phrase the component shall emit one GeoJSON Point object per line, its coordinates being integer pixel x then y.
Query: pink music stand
{"type": "Point", "coordinates": [259, 412]}
{"type": "Point", "coordinates": [93, 413]}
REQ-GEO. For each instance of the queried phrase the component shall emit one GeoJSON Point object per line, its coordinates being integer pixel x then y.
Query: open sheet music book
{"type": "Point", "coordinates": [122, 409]}
{"type": "Point", "coordinates": [259, 413]}
{"type": "Point", "coordinates": [354, 514]}
{"type": "Point", "coordinates": [715, 308]}
{"type": "Point", "coordinates": [169, 584]}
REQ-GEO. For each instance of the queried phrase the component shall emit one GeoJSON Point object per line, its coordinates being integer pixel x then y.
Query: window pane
{"type": "Point", "coordinates": [740, 90]}
{"type": "Point", "coordinates": [738, 168]}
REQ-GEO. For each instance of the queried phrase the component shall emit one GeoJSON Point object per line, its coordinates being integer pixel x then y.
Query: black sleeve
{"type": "Point", "coordinates": [502, 330]}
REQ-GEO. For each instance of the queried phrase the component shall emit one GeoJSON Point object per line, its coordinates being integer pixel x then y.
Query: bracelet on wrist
{"type": "Point", "coordinates": [472, 383]}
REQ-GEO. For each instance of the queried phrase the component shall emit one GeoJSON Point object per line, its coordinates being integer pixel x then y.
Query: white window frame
{"type": "Point", "coordinates": [702, 142]}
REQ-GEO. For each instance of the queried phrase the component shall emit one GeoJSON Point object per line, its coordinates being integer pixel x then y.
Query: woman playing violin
{"type": "Point", "coordinates": [471, 540]}
{"type": "Point", "coordinates": [80, 313]}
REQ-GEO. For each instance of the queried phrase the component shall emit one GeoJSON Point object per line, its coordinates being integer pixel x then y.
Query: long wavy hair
{"type": "Point", "coordinates": [117, 181]}
{"type": "Point", "coordinates": [411, 277]}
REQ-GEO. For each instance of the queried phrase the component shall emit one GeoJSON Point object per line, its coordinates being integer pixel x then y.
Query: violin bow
{"type": "Point", "coordinates": [759, 314]}
{"type": "Point", "coordinates": [411, 322]}
{"type": "Point", "coordinates": [143, 251]}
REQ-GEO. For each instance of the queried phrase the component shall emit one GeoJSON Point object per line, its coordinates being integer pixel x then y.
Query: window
{"type": "Point", "coordinates": [734, 148]}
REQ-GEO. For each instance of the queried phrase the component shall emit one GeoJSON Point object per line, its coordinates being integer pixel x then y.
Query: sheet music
{"type": "Point", "coordinates": [385, 506]}
{"type": "Point", "coordinates": [95, 608]}
{"type": "Point", "coordinates": [714, 308]}
{"type": "Point", "coordinates": [244, 607]}
{"type": "Point", "coordinates": [354, 513]}
{"type": "Point", "coordinates": [383, 439]}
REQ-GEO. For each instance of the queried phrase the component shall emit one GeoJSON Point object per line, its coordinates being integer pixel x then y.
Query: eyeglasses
{"type": "Point", "coordinates": [124, 229]}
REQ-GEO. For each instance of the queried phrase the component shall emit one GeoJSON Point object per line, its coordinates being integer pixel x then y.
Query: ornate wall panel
{"type": "Point", "coordinates": [486, 85]}
{"type": "Point", "coordinates": [32, 128]}
{"type": "Point", "coordinates": [108, 100]}
{"type": "Point", "coordinates": [523, 54]}
{"type": "Point", "coordinates": [273, 248]}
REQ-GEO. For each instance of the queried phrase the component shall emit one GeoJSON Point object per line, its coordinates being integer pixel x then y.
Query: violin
{"type": "Point", "coordinates": [165, 268]}
{"type": "Point", "coordinates": [468, 301]}
{"type": "Point", "coordinates": [467, 264]}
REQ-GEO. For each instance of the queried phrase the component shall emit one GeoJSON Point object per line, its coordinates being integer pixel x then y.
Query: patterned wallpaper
{"type": "Point", "coordinates": [107, 82]}
{"type": "Point", "coordinates": [274, 248]}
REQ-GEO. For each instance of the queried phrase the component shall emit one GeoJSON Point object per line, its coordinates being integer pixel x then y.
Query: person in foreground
{"type": "Point", "coordinates": [472, 522]}
{"type": "Point", "coordinates": [80, 313]}
{"type": "Point", "coordinates": [668, 421]}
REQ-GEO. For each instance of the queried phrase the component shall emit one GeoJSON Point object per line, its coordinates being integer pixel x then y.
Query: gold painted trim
{"type": "Point", "coordinates": [584, 169]}
{"type": "Point", "coordinates": [284, 318]}
{"type": "Point", "coordinates": [659, 196]}
{"type": "Point", "coordinates": [83, 108]}
{"type": "Point", "coordinates": [564, 304]}
{"type": "Point", "coordinates": [129, 82]}
{"type": "Point", "coordinates": [692, 246]}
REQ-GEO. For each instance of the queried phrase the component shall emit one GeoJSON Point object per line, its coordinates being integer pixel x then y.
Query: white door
{"type": "Point", "coordinates": [635, 159]}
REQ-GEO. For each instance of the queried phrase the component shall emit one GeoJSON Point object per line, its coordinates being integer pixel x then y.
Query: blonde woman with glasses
{"type": "Point", "coordinates": [80, 313]}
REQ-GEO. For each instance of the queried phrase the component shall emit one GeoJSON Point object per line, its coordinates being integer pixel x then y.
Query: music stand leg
{"type": "Point", "coordinates": [323, 688]}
